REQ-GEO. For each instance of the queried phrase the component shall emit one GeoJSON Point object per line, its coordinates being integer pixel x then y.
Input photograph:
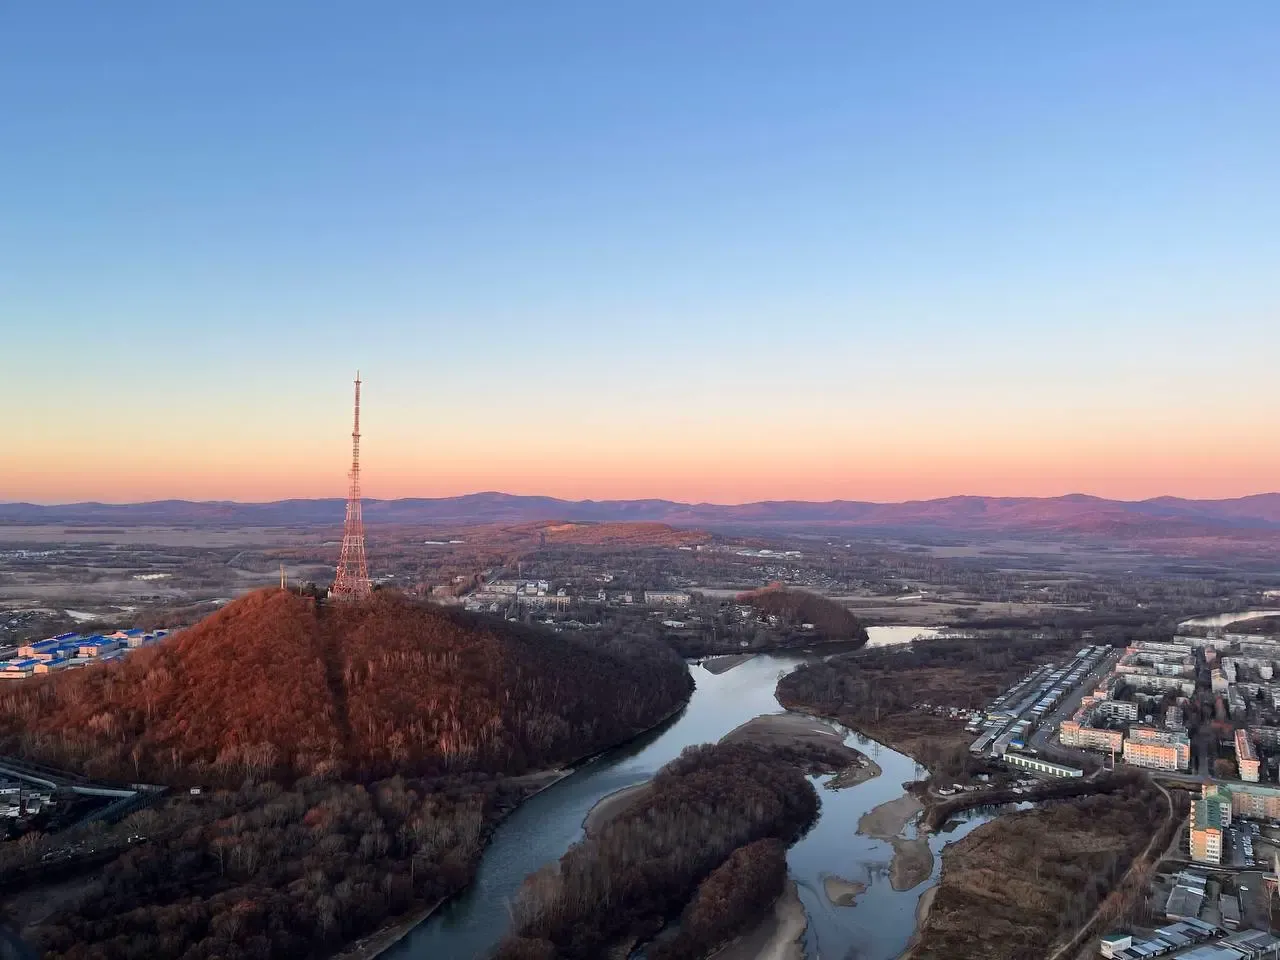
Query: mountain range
{"type": "Point", "coordinates": [1074, 513]}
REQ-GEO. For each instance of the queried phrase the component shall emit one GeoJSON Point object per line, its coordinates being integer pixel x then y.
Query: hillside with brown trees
{"type": "Point", "coordinates": [831, 621]}
{"type": "Point", "coordinates": [278, 685]}
{"type": "Point", "coordinates": [625, 880]}
{"type": "Point", "coordinates": [361, 754]}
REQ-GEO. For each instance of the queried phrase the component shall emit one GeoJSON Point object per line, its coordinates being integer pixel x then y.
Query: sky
{"type": "Point", "coordinates": [724, 250]}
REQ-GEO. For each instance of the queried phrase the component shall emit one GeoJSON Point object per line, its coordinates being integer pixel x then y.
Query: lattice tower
{"type": "Point", "coordinates": [352, 580]}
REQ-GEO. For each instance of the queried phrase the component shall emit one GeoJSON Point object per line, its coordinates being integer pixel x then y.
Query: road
{"type": "Point", "coordinates": [1046, 735]}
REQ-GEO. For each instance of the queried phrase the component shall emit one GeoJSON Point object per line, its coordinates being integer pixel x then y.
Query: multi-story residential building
{"type": "Point", "coordinates": [1157, 749]}
{"type": "Point", "coordinates": [1123, 709]}
{"type": "Point", "coordinates": [1078, 733]}
{"type": "Point", "coordinates": [1251, 800]}
{"type": "Point", "coordinates": [1173, 718]}
{"type": "Point", "coordinates": [1210, 817]}
{"type": "Point", "coordinates": [662, 598]}
{"type": "Point", "coordinates": [1246, 757]}
{"type": "Point", "coordinates": [1156, 646]}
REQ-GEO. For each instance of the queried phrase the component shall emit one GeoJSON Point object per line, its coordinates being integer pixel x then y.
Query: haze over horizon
{"type": "Point", "coordinates": [724, 253]}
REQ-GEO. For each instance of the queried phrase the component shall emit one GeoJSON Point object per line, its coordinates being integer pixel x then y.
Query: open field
{"type": "Point", "coordinates": [1016, 885]}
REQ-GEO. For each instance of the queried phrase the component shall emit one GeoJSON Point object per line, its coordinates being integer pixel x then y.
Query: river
{"type": "Point", "coordinates": [1219, 620]}
{"type": "Point", "coordinates": [544, 827]}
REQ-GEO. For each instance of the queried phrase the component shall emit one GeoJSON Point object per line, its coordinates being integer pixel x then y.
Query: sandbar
{"type": "Point", "coordinates": [777, 937]}
{"type": "Point", "coordinates": [912, 863]}
{"type": "Point", "coordinates": [887, 820]}
{"type": "Point", "coordinates": [842, 892]}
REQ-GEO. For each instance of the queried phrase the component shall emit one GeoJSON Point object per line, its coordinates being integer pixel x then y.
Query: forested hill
{"type": "Point", "coordinates": [277, 685]}
{"type": "Point", "coordinates": [829, 620]}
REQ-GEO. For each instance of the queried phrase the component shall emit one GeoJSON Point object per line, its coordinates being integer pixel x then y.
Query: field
{"type": "Point", "coordinates": [1024, 881]}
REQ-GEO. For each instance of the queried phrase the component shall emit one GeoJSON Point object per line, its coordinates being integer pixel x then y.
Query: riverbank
{"type": "Point", "coordinates": [383, 940]}
{"type": "Point", "coordinates": [778, 937]}
{"type": "Point", "coordinates": [612, 805]}
{"type": "Point", "coordinates": [923, 906]}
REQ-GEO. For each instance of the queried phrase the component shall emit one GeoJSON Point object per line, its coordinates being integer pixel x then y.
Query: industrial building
{"type": "Point", "coordinates": [69, 650]}
{"type": "Point", "coordinates": [1037, 765]}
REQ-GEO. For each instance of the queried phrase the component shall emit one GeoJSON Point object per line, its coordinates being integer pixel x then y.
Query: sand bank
{"type": "Point", "coordinates": [888, 819]}
{"type": "Point", "coordinates": [609, 806]}
{"type": "Point", "coordinates": [912, 863]}
{"type": "Point", "coordinates": [842, 892]}
{"type": "Point", "coordinates": [778, 937]}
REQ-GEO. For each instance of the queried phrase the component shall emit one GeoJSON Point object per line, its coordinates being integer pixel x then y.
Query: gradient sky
{"type": "Point", "coordinates": [716, 250]}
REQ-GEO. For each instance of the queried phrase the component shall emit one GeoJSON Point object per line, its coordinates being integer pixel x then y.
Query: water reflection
{"type": "Point", "coordinates": [542, 829]}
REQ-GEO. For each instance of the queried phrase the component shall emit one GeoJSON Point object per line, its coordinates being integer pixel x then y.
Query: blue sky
{"type": "Point", "coordinates": [922, 248]}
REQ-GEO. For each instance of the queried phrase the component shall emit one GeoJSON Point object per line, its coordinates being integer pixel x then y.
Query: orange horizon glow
{"type": "Point", "coordinates": [724, 482]}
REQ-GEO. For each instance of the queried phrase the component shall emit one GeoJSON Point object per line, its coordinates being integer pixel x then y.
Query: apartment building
{"type": "Point", "coordinates": [1251, 800]}
{"type": "Point", "coordinates": [1157, 749]}
{"type": "Point", "coordinates": [1246, 757]}
{"type": "Point", "coordinates": [1075, 733]}
{"type": "Point", "coordinates": [1210, 818]}
{"type": "Point", "coordinates": [1123, 709]}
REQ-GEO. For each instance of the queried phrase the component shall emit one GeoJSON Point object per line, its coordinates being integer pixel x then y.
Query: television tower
{"type": "Point", "coordinates": [352, 581]}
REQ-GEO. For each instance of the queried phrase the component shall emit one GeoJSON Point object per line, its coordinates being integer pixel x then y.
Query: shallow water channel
{"type": "Point", "coordinates": [877, 927]}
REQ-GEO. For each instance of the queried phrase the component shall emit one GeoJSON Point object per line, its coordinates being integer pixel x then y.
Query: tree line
{"type": "Point", "coordinates": [622, 883]}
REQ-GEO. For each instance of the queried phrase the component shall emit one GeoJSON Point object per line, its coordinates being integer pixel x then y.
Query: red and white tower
{"type": "Point", "coordinates": [352, 580]}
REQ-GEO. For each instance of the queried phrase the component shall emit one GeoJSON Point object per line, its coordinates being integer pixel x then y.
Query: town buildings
{"type": "Point", "coordinates": [666, 598]}
{"type": "Point", "coordinates": [1246, 757]}
{"type": "Point", "coordinates": [69, 650]}
{"type": "Point", "coordinates": [1207, 827]}
{"type": "Point", "coordinates": [1157, 749]}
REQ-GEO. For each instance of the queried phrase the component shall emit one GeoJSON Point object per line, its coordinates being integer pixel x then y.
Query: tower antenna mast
{"type": "Point", "coordinates": [352, 580]}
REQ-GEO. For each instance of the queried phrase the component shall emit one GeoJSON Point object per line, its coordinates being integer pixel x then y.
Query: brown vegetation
{"type": "Point", "coordinates": [280, 699]}
{"type": "Point", "coordinates": [270, 872]}
{"type": "Point", "coordinates": [1014, 886]}
{"type": "Point", "coordinates": [623, 882]}
{"type": "Point", "coordinates": [832, 622]}
{"type": "Point", "coordinates": [277, 685]}
{"type": "Point", "coordinates": [742, 887]}
{"type": "Point", "coordinates": [1268, 625]}
{"type": "Point", "coordinates": [877, 691]}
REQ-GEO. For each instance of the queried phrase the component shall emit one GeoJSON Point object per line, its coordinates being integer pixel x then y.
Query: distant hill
{"type": "Point", "coordinates": [278, 685]}
{"type": "Point", "coordinates": [1076, 513]}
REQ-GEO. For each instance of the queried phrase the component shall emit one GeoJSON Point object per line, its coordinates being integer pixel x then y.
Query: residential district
{"type": "Point", "coordinates": [1202, 713]}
